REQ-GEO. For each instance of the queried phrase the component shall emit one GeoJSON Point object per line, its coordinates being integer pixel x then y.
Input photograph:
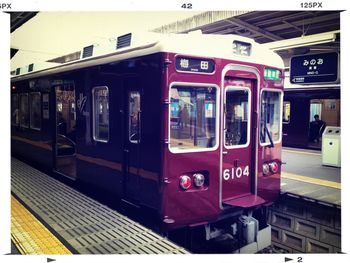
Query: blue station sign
{"type": "Point", "coordinates": [313, 69]}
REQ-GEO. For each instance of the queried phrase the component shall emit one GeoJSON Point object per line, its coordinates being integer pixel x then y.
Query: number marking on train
{"type": "Point", "coordinates": [235, 172]}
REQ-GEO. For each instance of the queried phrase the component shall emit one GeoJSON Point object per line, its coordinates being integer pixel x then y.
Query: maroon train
{"type": "Point", "coordinates": [188, 125]}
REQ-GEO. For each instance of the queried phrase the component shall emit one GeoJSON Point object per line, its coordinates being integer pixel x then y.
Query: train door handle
{"type": "Point", "coordinates": [225, 152]}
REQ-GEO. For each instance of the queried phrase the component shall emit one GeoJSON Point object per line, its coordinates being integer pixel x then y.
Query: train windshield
{"type": "Point", "coordinates": [270, 119]}
{"type": "Point", "coordinates": [193, 118]}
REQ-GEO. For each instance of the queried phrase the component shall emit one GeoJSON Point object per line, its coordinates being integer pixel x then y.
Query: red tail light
{"type": "Point", "coordinates": [273, 167]}
{"type": "Point", "coordinates": [185, 182]}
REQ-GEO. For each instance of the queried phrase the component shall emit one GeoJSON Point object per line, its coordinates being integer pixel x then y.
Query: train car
{"type": "Point", "coordinates": [301, 104]}
{"type": "Point", "coordinates": [188, 125]}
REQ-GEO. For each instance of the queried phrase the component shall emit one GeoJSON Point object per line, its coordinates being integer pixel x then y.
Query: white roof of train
{"type": "Point", "coordinates": [191, 44]}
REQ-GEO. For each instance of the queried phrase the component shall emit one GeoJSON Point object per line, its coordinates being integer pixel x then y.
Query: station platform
{"type": "Point", "coordinates": [303, 175]}
{"type": "Point", "coordinates": [49, 217]}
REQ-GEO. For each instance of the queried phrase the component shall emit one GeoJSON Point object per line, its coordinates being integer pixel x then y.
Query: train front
{"type": "Point", "coordinates": [222, 154]}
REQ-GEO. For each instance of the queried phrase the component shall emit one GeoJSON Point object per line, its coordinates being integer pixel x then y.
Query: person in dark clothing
{"type": "Point", "coordinates": [316, 128]}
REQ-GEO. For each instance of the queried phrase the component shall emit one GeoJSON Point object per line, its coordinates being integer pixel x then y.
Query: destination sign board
{"type": "Point", "coordinates": [313, 69]}
{"type": "Point", "coordinates": [195, 65]}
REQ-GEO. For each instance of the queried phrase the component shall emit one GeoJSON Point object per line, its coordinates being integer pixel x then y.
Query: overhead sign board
{"type": "Point", "coordinates": [313, 69]}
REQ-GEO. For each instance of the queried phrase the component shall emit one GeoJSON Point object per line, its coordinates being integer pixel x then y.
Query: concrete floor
{"type": "Point", "coordinates": [320, 179]}
{"type": "Point", "coordinates": [308, 163]}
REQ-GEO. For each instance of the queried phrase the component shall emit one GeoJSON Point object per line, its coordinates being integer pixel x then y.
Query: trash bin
{"type": "Point", "coordinates": [331, 146]}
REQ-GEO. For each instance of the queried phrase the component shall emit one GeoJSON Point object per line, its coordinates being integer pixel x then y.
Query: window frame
{"type": "Point", "coordinates": [30, 110]}
{"type": "Point", "coordinates": [230, 88]}
{"type": "Point", "coordinates": [217, 116]}
{"type": "Point", "coordinates": [94, 115]}
{"type": "Point", "coordinates": [281, 117]}
{"type": "Point", "coordinates": [20, 111]}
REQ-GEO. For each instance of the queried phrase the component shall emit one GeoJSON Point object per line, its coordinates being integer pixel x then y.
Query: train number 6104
{"type": "Point", "coordinates": [235, 172]}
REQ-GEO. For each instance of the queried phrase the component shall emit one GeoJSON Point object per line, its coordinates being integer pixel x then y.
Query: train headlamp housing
{"type": "Point", "coordinates": [185, 182]}
{"type": "Point", "coordinates": [265, 169]}
{"type": "Point", "coordinates": [198, 179]}
{"type": "Point", "coordinates": [241, 48]}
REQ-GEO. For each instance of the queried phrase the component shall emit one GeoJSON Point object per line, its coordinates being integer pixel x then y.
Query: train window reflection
{"type": "Point", "coordinates": [24, 110]}
{"type": "Point", "coordinates": [134, 117]}
{"type": "Point", "coordinates": [270, 118]}
{"type": "Point", "coordinates": [237, 117]}
{"type": "Point", "coordinates": [35, 110]}
{"type": "Point", "coordinates": [193, 118]}
{"type": "Point", "coordinates": [100, 114]}
{"type": "Point", "coordinates": [14, 110]}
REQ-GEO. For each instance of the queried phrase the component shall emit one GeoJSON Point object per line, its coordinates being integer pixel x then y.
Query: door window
{"type": "Point", "coordinates": [14, 109]}
{"type": "Point", "coordinates": [237, 117]}
{"type": "Point", "coordinates": [24, 110]}
{"type": "Point", "coordinates": [100, 114]}
{"type": "Point", "coordinates": [35, 110]}
{"type": "Point", "coordinates": [134, 117]}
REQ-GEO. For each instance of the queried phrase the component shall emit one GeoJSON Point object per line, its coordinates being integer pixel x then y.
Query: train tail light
{"type": "Point", "coordinates": [198, 179]}
{"type": "Point", "coordinates": [185, 182]}
{"type": "Point", "coordinates": [270, 168]}
{"type": "Point", "coordinates": [273, 167]}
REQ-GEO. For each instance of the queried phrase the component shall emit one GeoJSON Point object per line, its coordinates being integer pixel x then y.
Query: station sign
{"type": "Point", "coordinates": [313, 69]}
{"type": "Point", "coordinates": [195, 65]}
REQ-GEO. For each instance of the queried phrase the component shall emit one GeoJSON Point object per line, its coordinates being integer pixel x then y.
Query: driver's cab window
{"type": "Point", "coordinates": [270, 118]}
{"type": "Point", "coordinates": [134, 117]}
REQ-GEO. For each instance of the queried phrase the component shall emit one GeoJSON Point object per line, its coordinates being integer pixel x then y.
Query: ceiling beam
{"type": "Point", "coordinates": [254, 29]}
{"type": "Point", "coordinates": [293, 26]}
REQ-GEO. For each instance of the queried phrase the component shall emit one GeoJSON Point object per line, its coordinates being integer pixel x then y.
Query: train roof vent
{"type": "Point", "coordinates": [18, 71]}
{"type": "Point", "coordinates": [30, 67]}
{"type": "Point", "coordinates": [124, 41]}
{"type": "Point", "coordinates": [88, 51]}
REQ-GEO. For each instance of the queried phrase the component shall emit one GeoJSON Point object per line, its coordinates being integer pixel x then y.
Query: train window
{"type": "Point", "coordinates": [237, 117]}
{"type": "Point", "coordinates": [286, 112]}
{"type": "Point", "coordinates": [14, 110]}
{"type": "Point", "coordinates": [24, 110]}
{"type": "Point", "coordinates": [270, 118]}
{"type": "Point", "coordinates": [35, 110]}
{"type": "Point", "coordinates": [100, 114]}
{"type": "Point", "coordinates": [134, 117]}
{"type": "Point", "coordinates": [193, 118]}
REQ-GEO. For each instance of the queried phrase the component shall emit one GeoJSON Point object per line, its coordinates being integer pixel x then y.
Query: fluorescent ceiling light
{"type": "Point", "coordinates": [303, 41]}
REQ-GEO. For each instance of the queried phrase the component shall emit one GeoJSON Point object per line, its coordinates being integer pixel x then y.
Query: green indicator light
{"type": "Point", "coordinates": [271, 74]}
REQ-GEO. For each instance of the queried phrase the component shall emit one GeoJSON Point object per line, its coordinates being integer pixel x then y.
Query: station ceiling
{"type": "Point", "coordinates": [17, 20]}
{"type": "Point", "coordinates": [263, 26]}
{"type": "Point", "coordinates": [266, 26]}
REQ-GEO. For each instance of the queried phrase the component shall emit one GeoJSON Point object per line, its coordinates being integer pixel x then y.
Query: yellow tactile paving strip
{"type": "Point", "coordinates": [30, 236]}
{"type": "Point", "coordinates": [311, 180]}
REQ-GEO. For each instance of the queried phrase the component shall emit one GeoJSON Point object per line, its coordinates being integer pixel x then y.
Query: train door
{"type": "Point", "coordinates": [238, 154]}
{"type": "Point", "coordinates": [65, 142]}
{"type": "Point", "coordinates": [132, 139]}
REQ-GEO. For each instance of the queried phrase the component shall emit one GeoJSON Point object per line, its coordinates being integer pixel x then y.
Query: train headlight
{"type": "Point", "coordinates": [185, 182]}
{"type": "Point", "coordinates": [198, 179]}
{"type": "Point", "coordinates": [273, 167]}
{"type": "Point", "coordinates": [266, 169]}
